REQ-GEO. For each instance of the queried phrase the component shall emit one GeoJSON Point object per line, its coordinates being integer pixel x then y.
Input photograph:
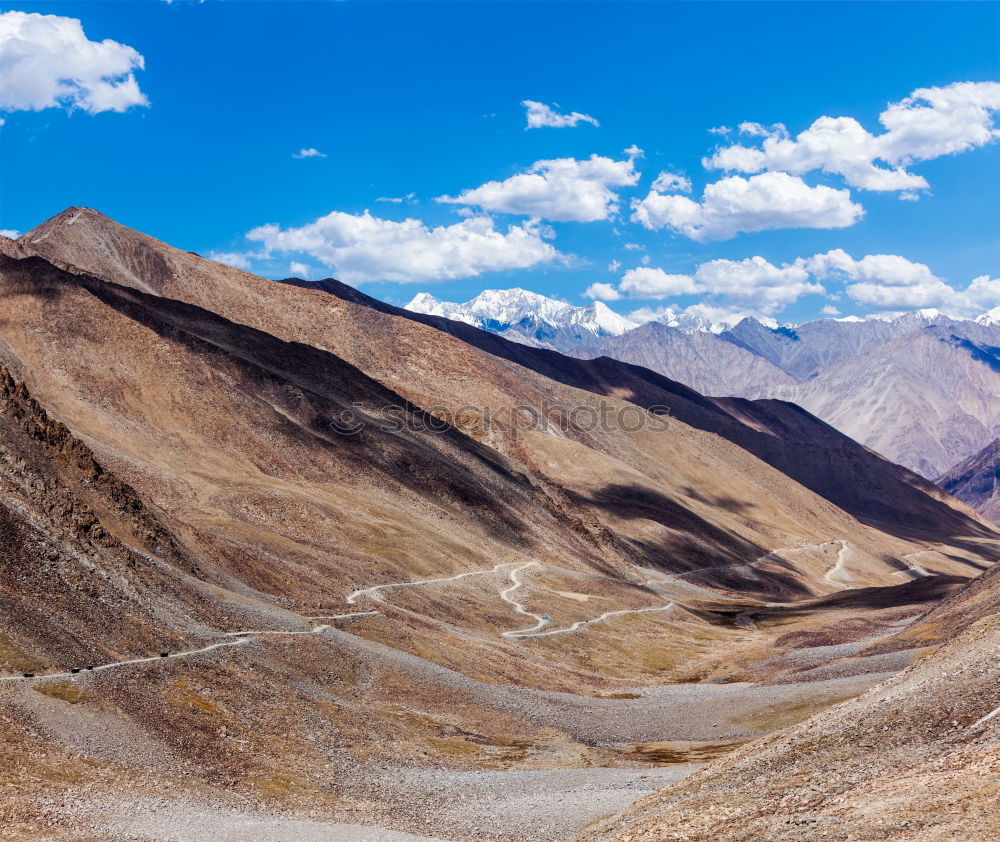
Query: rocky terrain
{"type": "Point", "coordinates": [976, 481]}
{"type": "Point", "coordinates": [279, 556]}
{"type": "Point", "coordinates": [914, 758]}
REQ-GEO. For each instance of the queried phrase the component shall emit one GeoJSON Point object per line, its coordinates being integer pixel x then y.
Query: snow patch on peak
{"type": "Point", "coordinates": [498, 310]}
{"type": "Point", "coordinates": [698, 319]}
{"type": "Point", "coordinates": [991, 318]}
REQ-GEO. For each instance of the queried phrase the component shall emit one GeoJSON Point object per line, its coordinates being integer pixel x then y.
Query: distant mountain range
{"type": "Point", "coordinates": [920, 388]}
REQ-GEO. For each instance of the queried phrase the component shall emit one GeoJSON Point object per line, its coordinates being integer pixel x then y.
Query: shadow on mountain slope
{"type": "Point", "coordinates": [874, 490]}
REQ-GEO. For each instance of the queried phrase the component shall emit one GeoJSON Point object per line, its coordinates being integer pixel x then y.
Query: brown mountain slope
{"type": "Point", "coordinates": [354, 610]}
{"type": "Point", "coordinates": [976, 481]}
{"type": "Point", "coordinates": [915, 758]}
{"type": "Point", "coordinates": [383, 341]}
{"type": "Point", "coordinates": [78, 583]}
{"type": "Point", "coordinates": [795, 442]}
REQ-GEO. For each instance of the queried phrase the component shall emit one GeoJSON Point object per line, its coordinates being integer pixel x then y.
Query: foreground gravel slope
{"type": "Point", "coordinates": [915, 758]}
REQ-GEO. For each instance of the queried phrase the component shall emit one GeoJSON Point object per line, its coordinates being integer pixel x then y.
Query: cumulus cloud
{"type": "Point", "coordinates": [929, 123]}
{"type": "Point", "coordinates": [736, 204]}
{"type": "Point", "coordinates": [760, 130]}
{"type": "Point", "coordinates": [542, 116]}
{"type": "Point", "coordinates": [562, 189]}
{"type": "Point", "coordinates": [670, 182]}
{"type": "Point", "coordinates": [361, 248]}
{"type": "Point", "coordinates": [879, 282]}
{"type": "Point", "coordinates": [648, 282]}
{"type": "Point", "coordinates": [753, 282]}
{"type": "Point", "coordinates": [309, 153]}
{"type": "Point", "coordinates": [890, 281]}
{"type": "Point", "coordinates": [47, 61]}
{"type": "Point", "coordinates": [602, 292]}
{"type": "Point", "coordinates": [613, 266]}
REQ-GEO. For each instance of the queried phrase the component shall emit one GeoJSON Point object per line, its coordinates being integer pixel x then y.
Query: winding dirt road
{"type": "Point", "coordinates": [838, 569]}
{"type": "Point", "coordinates": [514, 570]}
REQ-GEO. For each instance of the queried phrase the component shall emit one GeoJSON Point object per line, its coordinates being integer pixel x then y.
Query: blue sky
{"type": "Point", "coordinates": [425, 100]}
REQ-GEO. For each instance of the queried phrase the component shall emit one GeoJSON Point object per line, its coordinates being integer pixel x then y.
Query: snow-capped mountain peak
{"type": "Point", "coordinates": [501, 310]}
{"type": "Point", "coordinates": [991, 318]}
{"type": "Point", "coordinates": [603, 317]}
{"type": "Point", "coordinates": [690, 322]}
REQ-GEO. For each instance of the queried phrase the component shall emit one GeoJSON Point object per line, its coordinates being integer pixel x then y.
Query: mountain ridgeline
{"type": "Point", "coordinates": [920, 388]}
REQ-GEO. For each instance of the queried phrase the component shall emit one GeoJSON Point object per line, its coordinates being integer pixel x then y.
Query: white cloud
{"type": "Point", "coordinates": [309, 153]}
{"type": "Point", "coordinates": [9, 233]}
{"type": "Point", "coordinates": [753, 283]}
{"type": "Point", "coordinates": [929, 123]}
{"type": "Point", "coordinates": [397, 200]}
{"type": "Point", "coordinates": [613, 266]}
{"type": "Point", "coordinates": [642, 315]}
{"type": "Point", "coordinates": [634, 152]}
{"type": "Point", "coordinates": [760, 130]}
{"type": "Point", "coordinates": [881, 282]}
{"type": "Point", "coordinates": [541, 116]}
{"type": "Point", "coordinates": [363, 247]}
{"type": "Point", "coordinates": [932, 122]}
{"type": "Point", "coordinates": [720, 130]}
{"type": "Point", "coordinates": [736, 204]}
{"type": "Point", "coordinates": [982, 293]}
{"type": "Point", "coordinates": [890, 281]}
{"type": "Point", "coordinates": [562, 189]}
{"type": "Point", "coordinates": [646, 282]}
{"type": "Point", "coordinates": [47, 61]}
{"type": "Point", "coordinates": [298, 270]}
{"type": "Point", "coordinates": [668, 182]}
{"type": "Point", "coordinates": [602, 292]}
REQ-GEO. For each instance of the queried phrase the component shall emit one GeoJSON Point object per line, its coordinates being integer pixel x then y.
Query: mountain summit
{"type": "Point", "coordinates": [528, 317]}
